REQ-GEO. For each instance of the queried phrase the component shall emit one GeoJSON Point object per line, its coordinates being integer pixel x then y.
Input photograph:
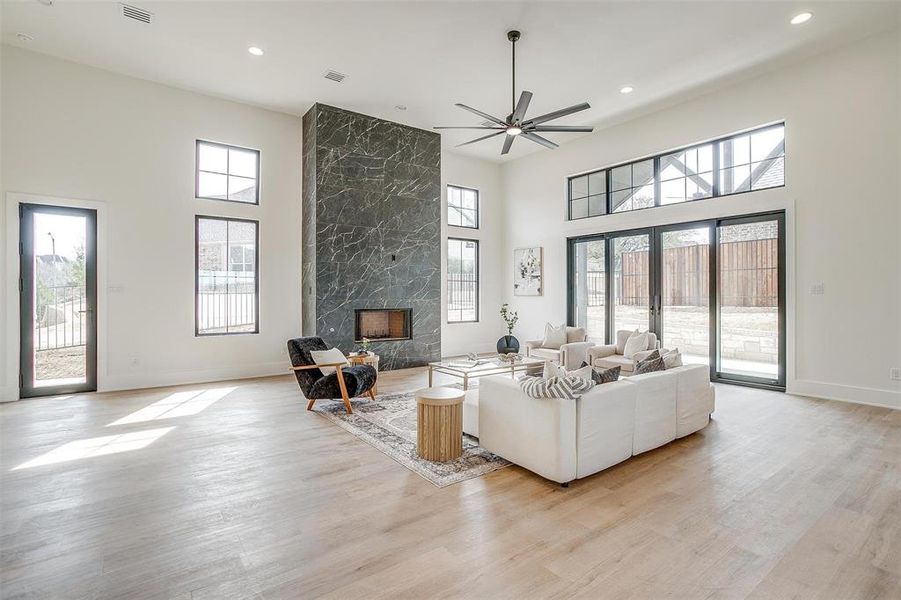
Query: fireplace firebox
{"type": "Point", "coordinates": [383, 324]}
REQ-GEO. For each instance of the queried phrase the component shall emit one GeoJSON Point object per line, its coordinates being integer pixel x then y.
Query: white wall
{"type": "Point", "coordinates": [842, 197]}
{"type": "Point", "coordinates": [462, 338]}
{"type": "Point", "coordinates": [127, 146]}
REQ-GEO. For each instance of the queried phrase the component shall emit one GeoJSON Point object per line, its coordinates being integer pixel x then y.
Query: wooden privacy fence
{"type": "Point", "coordinates": [748, 276]}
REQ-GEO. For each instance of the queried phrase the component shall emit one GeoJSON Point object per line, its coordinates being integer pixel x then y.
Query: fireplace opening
{"type": "Point", "coordinates": [383, 324]}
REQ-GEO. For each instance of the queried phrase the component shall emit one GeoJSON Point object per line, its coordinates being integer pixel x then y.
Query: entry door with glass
{"type": "Point", "coordinates": [58, 299]}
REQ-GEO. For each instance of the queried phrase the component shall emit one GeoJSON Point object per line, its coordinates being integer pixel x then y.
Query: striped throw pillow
{"type": "Point", "coordinates": [567, 387]}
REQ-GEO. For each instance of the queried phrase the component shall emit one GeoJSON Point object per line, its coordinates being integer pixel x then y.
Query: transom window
{"type": "Point", "coordinates": [462, 207]}
{"type": "Point", "coordinates": [744, 162]}
{"type": "Point", "coordinates": [227, 173]}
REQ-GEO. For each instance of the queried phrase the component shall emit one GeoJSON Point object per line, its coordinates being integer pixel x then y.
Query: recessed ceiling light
{"type": "Point", "coordinates": [626, 89]}
{"type": "Point", "coordinates": [255, 51]}
{"type": "Point", "coordinates": [400, 107]}
{"type": "Point", "coordinates": [24, 37]}
{"type": "Point", "coordinates": [801, 18]}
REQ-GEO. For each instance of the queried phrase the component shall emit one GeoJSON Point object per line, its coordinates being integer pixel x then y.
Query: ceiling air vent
{"type": "Point", "coordinates": [335, 76]}
{"type": "Point", "coordinates": [135, 13]}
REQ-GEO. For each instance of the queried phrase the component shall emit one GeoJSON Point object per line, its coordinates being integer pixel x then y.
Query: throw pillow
{"type": "Point", "coordinates": [554, 337]}
{"type": "Point", "coordinates": [554, 370]}
{"type": "Point", "coordinates": [672, 359]}
{"type": "Point", "coordinates": [637, 342]}
{"type": "Point", "coordinates": [568, 388]}
{"type": "Point", "coordinates": [599, 375]}
{"type": "Point", "coordinates": [326, 357]}
{"type": "Point", "coordinates": [652, 363]}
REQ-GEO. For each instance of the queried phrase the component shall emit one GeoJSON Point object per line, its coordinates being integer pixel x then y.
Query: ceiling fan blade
{"type": "Point", "coordinates": [507, 143]}
{"type": "Point", "coordinates": [481, 114]}
{"type": "Point", "coordinates": [519, 113]}
{"type": "Point", "coordinates": [484, 137]}
{"type": "Point", "coordinates": [561, 128]}
{"type": "Point", "coordinates": [468, 127]}
{"type": "Point", "coordinates": [557, 114]}
{"type": "Point", "coordinates": [534, 137]}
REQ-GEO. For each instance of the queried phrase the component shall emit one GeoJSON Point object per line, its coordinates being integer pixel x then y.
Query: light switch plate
{"type": "Point", "coordinates": [817, 289]}
{"type": "Point", "coordinates": [895, 374]}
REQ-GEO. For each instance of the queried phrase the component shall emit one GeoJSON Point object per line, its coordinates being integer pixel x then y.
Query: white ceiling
{"type": "Point", "coordinates": [429, 55]}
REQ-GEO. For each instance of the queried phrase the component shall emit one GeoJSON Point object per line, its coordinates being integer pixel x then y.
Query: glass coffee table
{"type": "Point", "coordinates": [465, 370]}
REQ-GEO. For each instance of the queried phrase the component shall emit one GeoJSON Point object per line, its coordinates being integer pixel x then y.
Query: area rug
{"type": "Point", "coordinates": [389, 424]}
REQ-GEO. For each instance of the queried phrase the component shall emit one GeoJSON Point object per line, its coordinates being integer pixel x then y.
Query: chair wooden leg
{"type": "Point", "coordinates": [343, 387]}
{"type": "Point", "coordinates": [310, 404]}
{"type": "Point", "coordinates": [371, 394]}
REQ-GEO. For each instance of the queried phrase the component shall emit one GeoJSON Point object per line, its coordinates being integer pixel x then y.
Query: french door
{"type": "Point", "coordinates": [714, 289]}
{"type": "Point", "coordinates": [57, 300]}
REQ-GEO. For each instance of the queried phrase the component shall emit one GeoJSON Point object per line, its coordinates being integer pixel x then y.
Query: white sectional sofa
{"type": "Point", "coordinates": [562, 440]}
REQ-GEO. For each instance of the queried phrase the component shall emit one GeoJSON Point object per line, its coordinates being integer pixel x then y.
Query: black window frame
{"type": "Point", "coordinates": [478, 210]}
{"type": "Point", "coordinates": [256, 264]}
{"type": "Point", "coordinates": [197, 171]}
{"type": "Point", "coordinates": [716, 171]}
{"type": "Point", "coordinates": [478, 279]}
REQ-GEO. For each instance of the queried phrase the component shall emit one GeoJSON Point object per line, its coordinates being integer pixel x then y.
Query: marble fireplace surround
{"type": "Point", "coordinates": [371, 230]}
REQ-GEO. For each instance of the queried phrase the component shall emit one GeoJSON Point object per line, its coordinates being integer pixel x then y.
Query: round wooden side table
{"type": "Point", "coordinates": [368, 359]}
{"type": "Point", "coordinates": [439, 428]}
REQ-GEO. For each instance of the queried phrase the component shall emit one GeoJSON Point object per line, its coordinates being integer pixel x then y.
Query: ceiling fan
{"type": "Point", "coordinates": [516, 125]}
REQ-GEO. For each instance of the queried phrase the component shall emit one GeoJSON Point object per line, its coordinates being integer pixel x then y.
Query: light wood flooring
{"type": "Point", "coordinates": [251, 496]}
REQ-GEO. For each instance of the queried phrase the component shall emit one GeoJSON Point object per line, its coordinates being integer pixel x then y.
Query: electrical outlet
{"type": "Point", "coordinates": [895, 374]}
{"type": "Point", "coordinates": [135, 361]}
{"type": "Point", "coordinates": [817, 289]}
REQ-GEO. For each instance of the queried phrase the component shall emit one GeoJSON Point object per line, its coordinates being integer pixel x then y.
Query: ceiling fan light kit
{"type": "Point", "coordinates": [516, 124]}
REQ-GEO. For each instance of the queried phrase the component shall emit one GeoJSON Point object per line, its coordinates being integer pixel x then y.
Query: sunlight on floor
{"type": "Point", "coordinates": [179, 404]}
{"type": "Point", "coordinates": [98, 446]}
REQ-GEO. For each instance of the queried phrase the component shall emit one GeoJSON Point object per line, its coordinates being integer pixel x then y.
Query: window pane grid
{"type": "Point", "coordinates": [740, 163]}
{"type": "Point", "coordinates": [462, 207]}
{"type": "Point", "coordinates": [462, 280]}
{"type": "Point", "coordinates": [227, 173]}
{"type": "Point", "coordinates": [226, 277]}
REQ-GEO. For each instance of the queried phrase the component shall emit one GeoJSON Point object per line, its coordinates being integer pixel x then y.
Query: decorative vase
{"type": "Point", "coordinates": [507, 345]}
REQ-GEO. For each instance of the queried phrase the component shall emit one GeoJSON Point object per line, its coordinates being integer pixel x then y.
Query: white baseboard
{"type": "Point", "coordinates": [136, 381]}
{"type": "Point", "coordinates": [846, 393]}
{"type": "Point", "coordinates": [9, 394]}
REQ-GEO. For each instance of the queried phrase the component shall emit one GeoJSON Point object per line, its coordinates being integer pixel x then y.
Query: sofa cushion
{"type": "Point", "coordinates": [600, 375]}
{"type": "Point", "coordinates": [552, 370]}
{"type": "Point", "coordinates": [554, 337]}
{"type": "Point", "coordinates": [616, 360]}
{"type": "Point", "coordinates": [694, 398]}
{"type": "Point", "coordinates": [575, 334]}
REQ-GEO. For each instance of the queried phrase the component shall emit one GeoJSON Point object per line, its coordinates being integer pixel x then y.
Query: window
{"type": "Point", "coordinates": [227, 173]}
{"type": "Point", "coordinates": [462, 207]}
{"type": "Point", "coordinates": [226, 278]}
{"type": "Point", "coordinates": [588, 195]}
{"type": "Point", "coordinates": [739, 163]}
{"type": "Point", "coordinates": [632, 186]}
{"type": "Point", "coordinates": [462, 280]}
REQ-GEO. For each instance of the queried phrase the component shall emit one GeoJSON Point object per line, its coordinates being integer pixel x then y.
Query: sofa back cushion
{"type": "Point", "coordinates": [655, 410]}
{"type": "Point", "coordinates": [605, 421]}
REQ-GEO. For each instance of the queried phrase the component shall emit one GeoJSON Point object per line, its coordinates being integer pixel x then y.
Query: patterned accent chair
{"type": "Point", "coordinates": [345, 383]}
